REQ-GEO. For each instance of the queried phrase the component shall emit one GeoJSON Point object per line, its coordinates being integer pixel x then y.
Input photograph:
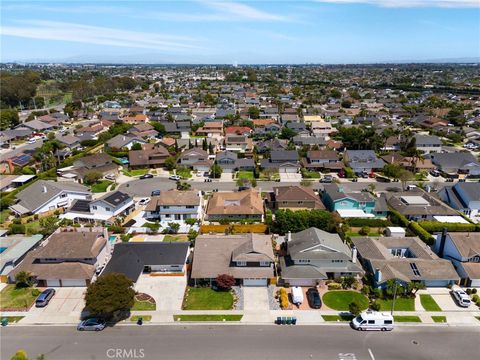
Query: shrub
{"type": "Point", "coordinates": [347, 282]}
{"type": "Point", "coordinates": [398, 219]}
{"type": "Point", "coordinates": [474, 291]}
{"type": "Point", "coordinates": [334, 286]}
{"type": "Point", "coordinates": [366, 290]}
{"type": "Point", "coordinates": [359, 222]}
{"type": "Point", "coordinates": [354, 308]}
{"type": "Point", "coordinates": [475, 298]}
{"type": "Point", "coordinates": [468, 291]}
{"type": "Point", "coordinates": [421, 233]}
{"type": "Point", "coordinates": [35, 292]}
{"type": "Point", "coordinates": [225, 281]}
{"type": "Point", "coordinates": [23, 279]}
{"type": "Point", "coordinates": [435, 226]}
{"type": "Point", "coordinates": [364, 230]}
{"type": "Point", "coordinates": [116, 229]}
{"type": "Point", "coordinates": [190, 221]}
{"type": "Point", "coordinates": [375, 306]}
{"type": "Point", "coordinates": [17, 229]}
{"type": "Point", "coordinates": [283, 298]}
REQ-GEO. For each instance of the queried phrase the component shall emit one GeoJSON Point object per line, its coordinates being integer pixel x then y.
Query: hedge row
{"type": "Point", "coordinates": [426, 237]}
{"type": "Point", "coordinates": [235, 228]}
{"type": "Point", "coordinates": [359, 222]}
{"type": "Point", "coordinates": [398, 219]}
{"type": "Point", "coordinates": [435, 226]}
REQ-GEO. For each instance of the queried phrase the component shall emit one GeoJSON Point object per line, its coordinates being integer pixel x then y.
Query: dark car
{"type": "Point", "coordinates": [146, 176]}
{"type": "Point", "coordinates": [92, 324]}
{"type": "Point", "coordinates": [435, 173]}
{"type": "Point", "coordinates": [314, 298]}
{"type": "Point", "coordinates": [155, 193]}
{"type": "Point", "coordinates": [327, 179]}
{"type": "Point", "coordinates": [44, 298]}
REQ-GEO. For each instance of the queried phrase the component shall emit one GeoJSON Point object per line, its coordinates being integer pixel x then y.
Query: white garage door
{"type": "Point", "coordinates": [53, 282]}
{"type": "Point", "coordinates": [475, 283]}
{"type": "Point", "coordinates": [301, 282]}
{"type": "Point", "coordinates": [73, 282]}
{"type": "Point", "coordinates": [254, 282]}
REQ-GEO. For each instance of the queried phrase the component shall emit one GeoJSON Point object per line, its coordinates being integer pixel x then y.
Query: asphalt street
{"type": "Point", "coordinates": [241, 342]}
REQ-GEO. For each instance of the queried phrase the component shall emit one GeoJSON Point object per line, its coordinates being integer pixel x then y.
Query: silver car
{"type": "Point", "coordinates": [93, 324]}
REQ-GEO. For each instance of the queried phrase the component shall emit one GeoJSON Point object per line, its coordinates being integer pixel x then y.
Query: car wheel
{"type": "Point", "coordinates": [81, 329]}
{"type": "Point", "coordinates": [97, 329]}
{"type": "Point", "coordinates": [383, 329]}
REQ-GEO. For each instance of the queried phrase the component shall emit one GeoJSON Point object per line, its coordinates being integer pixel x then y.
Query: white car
{"type": "Point", "coordinates": [144, 201]}
{"type": "Point", "coordinates": [461, 296]}
{"type": "Point", "coordinates": [31, 141]}
{"type": "Point", "coordinates": [110, 177]}
{"type": "Point", "coordinates": [175, 177]}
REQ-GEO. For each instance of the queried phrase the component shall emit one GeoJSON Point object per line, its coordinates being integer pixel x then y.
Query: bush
{"type": "Point", "coordinates": [474, 291]}
{"type": "Point", "coordinates": [421, 233]}
{"type": "Point", "coordinates": [398, 219]}
{"type": "Point", "coordinates": [366, 290]}
{"type": "Point", "coordinates": [17, 229]}
{"type": "Point", "coordinates": [359, 222]}
{"type": "Point", "coordinates": [347, 282]}
{"type": "Point", "coordinates": [334, 286]}
{"type": "Point", "coordinates": [475, 298]}
{"type": "Point", "coordinates": [468, 291]}
{"type": "Point", "coordinates": [354, 308]}
{"type": "Point", "coordinates": [35, 292]}
{"type": "Point", "coordinates": [283, 298]}
{"type": "Point", "coordinates": [375, 306]}
{"type": "Point", "coordinates": [23, 279]}
{"type": "Point", "coordinates": [116, 229]}
{"type": "Point", "coordinates": [225, 281]}
{"type": "Point", "coordinates": [435, 226]}
{"type": "Point", "coordinates": [365, 230]}
{"type": "Point", "coordinates": [190, 221]}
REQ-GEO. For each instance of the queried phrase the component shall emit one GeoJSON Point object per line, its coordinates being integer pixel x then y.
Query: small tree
{"type": "Point", "coordinates": [23, 279]}
{"type": "Point", "coordinates": [225, 281]}
{"type": "Point", "coordinates": [173, 227]}
{"type": "Point", "coordinates": [364, 230]}
{"type": "Point", "coordinates": [170, 163]}
{"type": "Point", "coordinates": [354, 308]}
{"type": "Point", "coordinates": [183, 186]}
{"type": "Point", "coordinates": [137, 146]}
{"type": "Point", "coordinates": [110, 295]}
{"type": "Point", "coordinates": [92, 177]}
{"type": "Point", "coordinates": [216, 171]}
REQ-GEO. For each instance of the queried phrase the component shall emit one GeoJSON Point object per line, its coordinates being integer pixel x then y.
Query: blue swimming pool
{"type": "Point", "coordinates": [112, 238]}
{"type": "Point", "coordinates": [2, 249]}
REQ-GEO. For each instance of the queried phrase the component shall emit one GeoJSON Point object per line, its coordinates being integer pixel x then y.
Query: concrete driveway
{"type": "Point", "coordinates": [255, 298]}
{"type": "Point", "coordinates": [167, 291]}
{"type": "Point", "coordinates": [445, 300]}
{"type": "Point", "coordinates": [290, 177]}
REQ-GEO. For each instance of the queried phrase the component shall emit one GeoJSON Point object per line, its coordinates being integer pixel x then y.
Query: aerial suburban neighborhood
{"type": "Point", "coordinates": [136, 196]}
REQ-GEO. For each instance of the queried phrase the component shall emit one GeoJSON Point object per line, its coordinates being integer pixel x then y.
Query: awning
{"type": "Point", "coordinates": [354, 213]}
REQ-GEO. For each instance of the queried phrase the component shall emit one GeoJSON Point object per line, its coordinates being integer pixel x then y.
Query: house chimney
{"type": "Point", "coordinates": [378, 276]}
{"type": "Point", "coordinates": [289, 236]}
{"type": "Point", "coordinates": [442, 242]}
{"type": "Point", "coordinates": [354, 255]}
{"type": "Point", "coordinates": [44, 190]}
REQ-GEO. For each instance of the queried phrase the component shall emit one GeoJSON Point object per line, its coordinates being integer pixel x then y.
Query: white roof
{"type": "Point", "coordinates": [395, 229]}
{"type": "Point", "coordinates": [415, 200]}
{"type": "Point", "coordinates": [347, 213]}
{"type": "Point", "coordinates": [451, 219]}
{"type": "Point", "coordinates": [23, 178]}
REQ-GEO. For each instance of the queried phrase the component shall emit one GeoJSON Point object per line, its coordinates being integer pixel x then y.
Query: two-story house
{"type": "Point", "coordinates": [463, 250]}
{"type": "Point", "coordinates": [284, 161]}
{"type": "Point", "coordinates": [238, 143]}
{"type": "Point", "coordinates": [314, 255]}
{"type": "Point", "coordinates": [353, 204]}
{"type": "Point", "coordinates": [235, 205]}
{"type": "Point", "coordinates": [463, 196]}
{"type": "Point", "coordinates": [248, 258]}
{"type": "Point", "coordinates": [428, 143]}
{"type": "Point", "coordinates": [175, 205]}
{"type": "Point", "coordinates": [322, 159]}
{"type": "Point", "coordinates": [195, 158]}
{"type": "Point", "coordinates": [211, 129]}
{"type": "Point", "coordinates": [230, 162]}
{"type": "Point", "coordinates": [363, 160]}
{"type": "Point", "coordinates": [69, 257]}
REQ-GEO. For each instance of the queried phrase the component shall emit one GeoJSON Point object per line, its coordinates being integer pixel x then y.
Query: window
{"type": "Point", "coordinates": [371, 322]}
{"type": "Point", "coordinates": [241, 263]}
{"type": "Point", "coordinates": [264, 263]}
{"type": "Point", "coordinates": [107, 209]}
{"type": "Point", "coordinates": [337, 261]}
{"type": "Point", "coordinates": [388, 322]}
{"type": "Point", "coordinates": [190, 207]}
{"type": "Point", "coordinates": [303, 261]}
{"type": "Point", "coordinates": [63, 195]}
{"type": "Point", "coordinates": [362, 203]}
{"type": "Point", "coordinates": [166, 207]}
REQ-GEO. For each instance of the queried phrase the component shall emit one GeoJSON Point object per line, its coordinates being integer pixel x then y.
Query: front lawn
{"type": "Point", "coordinates": [175, 238]}
{"type": "Point", "coordinates": [247, 175]}
{"type": "Point", "coordinates": [310, 174]}
{"type": "Point", "coordinates": [13, 299]}
{"type": "Point", "coordinates": [13, 319]}
{"type": "Point", "coordinates": [207, 299]}
{"type": "Point", "coordinates": [135, 172]}
{"type": "Point", "coordinates": [144, 318]}
{"type": "Point", "coordinates": [184, 173]}
{"type": "Point", "coordinates": [337, 317]}
{"type": "Point", "coordinates": [207, 317]}
{"type": "Point", "coordinates": [143, 302]}
{"type": "Point", "coordinates": [339, 300]}
{"type": "Point", "coordinates": [401, 304]}
{"type": "Point", "coordinates": [101, 186]}
{"type": "Point", "coordinates": [439, 319]}
{"type": "Point", "coordinates": [265, 175]}
{"type": "Point", "coordinates": [407, 318]}
{"type": "Point", "coordinates": [429, 303]}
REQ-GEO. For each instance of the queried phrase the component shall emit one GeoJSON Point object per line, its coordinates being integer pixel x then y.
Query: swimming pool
{"type": "Point", "coordinates": [112, 238]}
{"type": "Point", "coordinates": [2, 249]}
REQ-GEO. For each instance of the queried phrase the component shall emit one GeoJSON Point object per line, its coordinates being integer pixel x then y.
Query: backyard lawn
{"type": "Point", "coordinates": [429, 303]}
{"type": "Point", "coordinates": [407, 319]}
{"type": "Point", "coordinates": [16, 299]}
{"type": "Point", "coordinates": [207, 299]}
{"type": "Point", "coordinates": [32, 228]}
{"type": "Point", "coordinates": [248, 175]}
{"type": "Point", "coordinates": [401, 304]}
{"type": "Point", "coordinates": [207, 317]}
{"type": "Point", "coordinates": [101, 186]}
{"type": "Point", "coordinates": [339, 300]}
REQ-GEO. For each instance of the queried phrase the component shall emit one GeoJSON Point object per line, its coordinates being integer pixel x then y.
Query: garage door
{"type": "Point", "coordinates": [254, 282]}
{"type": "Point", "coordinates": [301, 282]}
{"type": "Point", "coordinates": [53, 282]}
{"type": "Point", "coordinates": [73, 282]}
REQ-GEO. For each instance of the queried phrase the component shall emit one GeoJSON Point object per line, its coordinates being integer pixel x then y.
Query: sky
{"type": "Point", "coordinates": [243, 32]}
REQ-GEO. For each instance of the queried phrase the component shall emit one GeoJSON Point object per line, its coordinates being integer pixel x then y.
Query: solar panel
{"type": "Point", "coordinates": [21, 160]}
{"type": "Point", "coordinates": [81, 206]}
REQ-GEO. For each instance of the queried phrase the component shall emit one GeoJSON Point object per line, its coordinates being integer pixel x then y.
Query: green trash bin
{"type": "Point", "coordinates": [4, 322]}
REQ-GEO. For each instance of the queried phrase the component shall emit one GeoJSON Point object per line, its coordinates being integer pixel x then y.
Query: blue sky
{"type": "Point", "coordinates": [247, 32]}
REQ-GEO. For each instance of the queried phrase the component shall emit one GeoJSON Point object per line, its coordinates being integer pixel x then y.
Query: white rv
{"type": "Point", "coordinates": [297, 295]}
{"type": "Point", "coordinates": [373, 320]}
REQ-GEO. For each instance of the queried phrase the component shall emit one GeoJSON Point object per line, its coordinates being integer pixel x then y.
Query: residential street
{"type": "Point", "coordinates": [242, 342]}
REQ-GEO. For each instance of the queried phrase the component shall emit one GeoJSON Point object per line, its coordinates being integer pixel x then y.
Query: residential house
{"type": "Point", "coordinates": [322, 159]}
{"type": "Point", "coordinates": [151, 156]}
{"type": "Point", "coordinates": [69, 257]}
{"type": "Point", "coordinates": [144, 131]}
{"type": "Point", "coordinates": [248, 258]}
{"type": "Point", "coordinates": [124, 141]}
{"type": "Point", "coordinates": [230, 162]}
{"type": "Point", "coordinates": [271, 145]}
{"type": "Point", "coordinates": [148, 257]}
{"type": "Point", "coordinates": [294, 198]}
{"type": "Point", "coordinates": [211, 129]}
{"type": "Point", "coordinates": [456, 163]}
{"type": "Point", "coordinates": [175, 205]}
{"type": "Point", "coordinates": [14, 249]}
{"type": "Point", "coordinates": [238, 143]}
{"type": "Point", "coordinates": [314, 255]}
{"type": "Point", "coordinates": [363, 160]}
{"type": "Point", "coordinates": [427, 143]}
{"type": "Point", "coordinates": [99, 163]}
{"type": "Point", "coordinates": [308, 140]}
{"type": "Point", "coordinates": [284, 161]}
{"type": "Point", "coordinates": [403, 259]}
{"type": "Point", "coordinates": [136, 119]}
{"type": "Point", "coordinates": [463, 197]}
{"type": "Point", "coordinates": [463, 250]}
{"type": "Point", "coordinates": [43, 196]}
{"type": "Point", "coordinates": [238, 130]}
{"type": "Point", "coordinates": [247, 204]}
{"type": "Point", "coordinates": [195, 158]}
{"type": "Point", "coordinates": [360, 204]}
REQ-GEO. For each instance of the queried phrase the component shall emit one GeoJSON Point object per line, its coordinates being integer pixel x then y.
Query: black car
{"type": "Point", "coordinates": [314, 298]}
{"type": "Point", "coordinates": [155, 193]}
{"type": "Point", "coordinates": [435, 173]}
{"type": "Point", "coordinates": [44, 298]}
{"type": "Point", "coordinates": [146, 176]}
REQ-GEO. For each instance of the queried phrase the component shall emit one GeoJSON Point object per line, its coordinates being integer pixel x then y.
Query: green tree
{"type": "Point", "coordinates": [216, 171]}
{"type": "Point", "coordinates": [173, 227]}
{"type": "Point", "coordinates": [405, 176]}
{"type": "Point", "coordinates": [253, 112]}
{"type": "Point", "coordinates": [137, 146]}
{"type": "Point", "coordinates": [346, 104]}
{"type": "Point", "coordinates": [287, 133]}
{"type": "Point", "coordinates": [110, 295]}
{"type": "Point", "coordinates": [92, 177]}
{"type": "Point", "coordinates": [8, 118]}
{"type": "Point", "coordinates": [354, 308]}
{"type": "Point", "coordinates": [23, 279]}
{"type": "Point", "coordinates": [170, 163]}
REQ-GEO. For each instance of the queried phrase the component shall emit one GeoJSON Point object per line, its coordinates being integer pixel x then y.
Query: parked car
{"type": "Point", "coordinates": [297, 295]}
{"type": "Point", "coordinates": [381, 178]}
{"type": "Point", "coordinates": [146, 176]}
{"type": "Point", "coordinates": [92, 324]}
{"type": "Point", "coordinates": [44, 298]}
{"type": "Point", "coordinates": [373, 320]}
{"type": "Point", "coordinates": [175, 177]}
{"type": "Point", "coordinates": [31, 141]}
{"type": "Point", "coordinates": [144, 201]}
{"type": "Point", "coordinates": [314, 298]}
{"type": "Point", "coordinates": [461, 296]}
{"type": "Point", "coordinates": [435, 173]}
{"type": "Point", "coordinates": [110, 177]}
{"type": "Point", "coordinates": [155, 193]}
{"type": "Point", "coordinates": [327, 179]}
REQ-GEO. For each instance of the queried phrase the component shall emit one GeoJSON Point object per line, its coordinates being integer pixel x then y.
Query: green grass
{"type": "Point", "coordinates": [175, 238]}
{"type": "Point", "coordinates": [310, 174]}
{"type": "Point", "coordinates": [337, 317]}
{"type": "Point", "coordinates": [143, 306]}
{"type": "Point", "coordinates": [144, 318]}
{"type": "Point", "coordinates": [407, 318]}
{"type": "Point", "coordinates": [248, 175]}
{"type": "Point", "coordinates": [355, 234]}
{"type": "Point", "coordinates": [207, 299]}
{"type": "Point", "coordinates": [4, 214]}
{"type": "Point", "coordinates": [339, 300]}
{"type": "Point", "coordinates": [101, 186]}
{"type": "Point", "coordinates": [16, 299]}
{"type": "Point", "coordinates": [428, 303]}
{"type": "Point", "coordinates": [184, 173]}
{"type": "Point", "coordinates": [12, 319]}
{"type": "Point", "coordinates": [207, 317]}
{"type": "Point", "coordinates": [273, 176]}
{"type": "Point", "coordinates": [439, 319]}
{"type": "Point", "coordinates": [401, 304]}
{"type": "Point", "coordinates": [33, 227]}
{"type": "Point", "coordinates": [135, 172]}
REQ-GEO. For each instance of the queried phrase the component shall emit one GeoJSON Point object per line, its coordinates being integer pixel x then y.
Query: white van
{"type": "Point", "coordinates": [461, 296]}
{"type": "Point", "coordinates": [373, 320]}
{"type": "Point", "coordinates": [297, 295]}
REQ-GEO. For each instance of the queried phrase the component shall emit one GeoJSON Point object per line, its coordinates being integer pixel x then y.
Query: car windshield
{"type": "Point", "coordinates": [359, 318]}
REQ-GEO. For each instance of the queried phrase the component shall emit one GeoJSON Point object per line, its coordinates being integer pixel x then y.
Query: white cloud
{"type": "Point", "coordinates": [61, 31]}
{"type": "Point", "coordinates": [242, 11]}
{"type": "Point", "coordinates": [411, 3]}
